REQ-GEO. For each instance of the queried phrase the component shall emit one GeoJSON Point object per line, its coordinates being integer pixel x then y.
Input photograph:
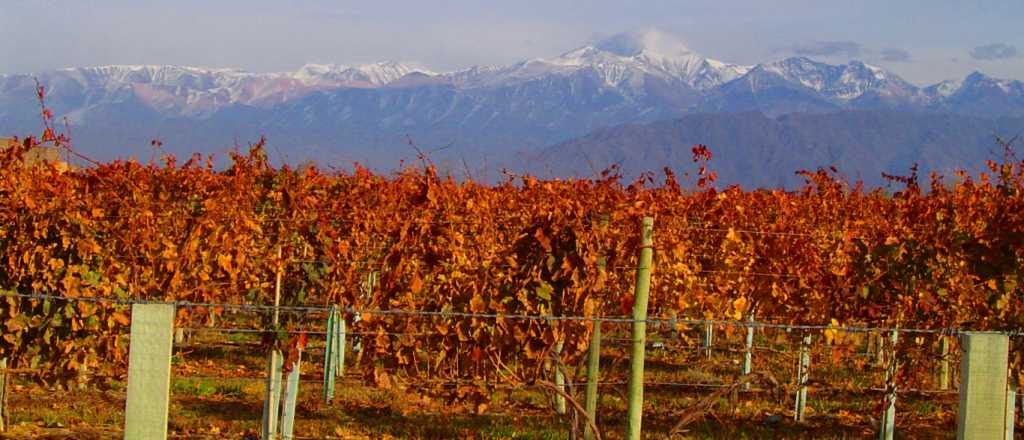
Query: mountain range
{"type": "Point", "coordinates": [518, 116]}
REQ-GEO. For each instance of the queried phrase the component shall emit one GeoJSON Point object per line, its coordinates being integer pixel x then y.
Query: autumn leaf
{"type": "Point", "coordinates": [416, 285]}
{"type": "Point", "coordinates": [543, 239]}
{"type": "Point", "coordinates": [120, 318]}
{"type": "Point", "coordinates": [224, 262]}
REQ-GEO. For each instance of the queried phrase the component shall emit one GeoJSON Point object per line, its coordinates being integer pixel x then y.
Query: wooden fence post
{"type": "Point", "coordinates": [803, 374]}
{"type": "Point", "coordinates": [3, 395]}
{"type": "Point", "coordinates": [944, 362]}
{"type": "Point", "coordinates": [879, 352]}
{"type": "Point", "coordinates": [673, 322]}
{"type": "Point", "coordinates": [272, 394]}
{"type": "Point", "coordinates": [636, 357]}
{"type": "Point", "coordinates": [748, 350]}
{"type": "Point", "coordinates": [560, 405]}
{"type": "Point", "coordinates": [888, 426]}
{"type": "Point", "coordinates": [593, 364]}
{"type": "Point", "coordinates": [149, 371]}
{"type": "Point", "coordinates": [329, 356]}
{"type": "Point", "coordinates": [179, 335]}
{"type": "Point", "coordinates": [709, 334]}
{"type": "Point", "coordinates": [594, 356]}
{"type": "Point", "coordinates": [983, 376]}
{"type": "Point", "coordinates": [340, 349]}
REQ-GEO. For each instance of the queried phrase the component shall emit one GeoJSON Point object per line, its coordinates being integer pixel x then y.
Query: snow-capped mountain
{"type": "Point", "coordinates": [366, 75]}
{"type": "Point", "coordinates": [630, 78]}
{"type": "Point", "coordinates": [943, 89]}
{"type": "Point", "coordinates": [198, 92]}
{"type": "Point", "coordinates": [624, 60]}
{"type": "Point", "coordinates": [985, 96]}
{"type": "Point", "coordinates": [647, 67]}
{"type": "Point", "coordinates": [843, 82]}
{"type": "Point", "coordinates": [800, 84]}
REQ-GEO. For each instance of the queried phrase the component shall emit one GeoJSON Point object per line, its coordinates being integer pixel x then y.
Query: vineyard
{"type": "Point", "coordinates": [462, 260]}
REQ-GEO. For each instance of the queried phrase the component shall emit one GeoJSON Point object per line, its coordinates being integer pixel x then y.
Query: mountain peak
{"type": "Point", "coordinates": [644, 41]}
{"type": "Point", "coordinates": [629, 56]}
{"type": "Point", "coordinates": [976, 76]}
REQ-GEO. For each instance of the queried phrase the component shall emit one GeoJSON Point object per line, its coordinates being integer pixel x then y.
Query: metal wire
{"type": "Point", "coordinates": [505, 316]}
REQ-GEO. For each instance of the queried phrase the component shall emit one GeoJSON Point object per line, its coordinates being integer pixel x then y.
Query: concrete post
{"type": "Point", "coordinates": [291, 395]}
{"type": "Point", "coordinates": [1011, 411]}
{"type": "Point", "coordinates": [329, 356]}
{"type": "Point", "coordinates": [149, 372]}
{"type": "Point", "coordinates": [983, 372]}
{"type": "Point", "coordinates": [272, 396]}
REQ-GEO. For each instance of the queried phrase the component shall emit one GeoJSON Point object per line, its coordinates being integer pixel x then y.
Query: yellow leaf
{"type": "Point", "coordinates": [13, 325]}
{"type": "Point", "coordinates": [417, 283]}
{"type": "Point", "coordinates": [732, 235]}
{"type": "Point", "coordinates": [56, 264]}
{"type": "Point", "coordinates": [739, 303]}
{"type": "Point", "coordinates": [119, 318]}
{"type": "Point", "coordinates": [476, 304]}
{"type": "Point", "coordinates": [832, 335]}
{"type": "Point", "coordinates": [993, 284]}
{"type": "Point", "coordinates": [224, 260]}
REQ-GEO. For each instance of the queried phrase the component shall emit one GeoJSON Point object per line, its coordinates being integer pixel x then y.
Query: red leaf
{"type": "Point", "coordinates": [543, 239]}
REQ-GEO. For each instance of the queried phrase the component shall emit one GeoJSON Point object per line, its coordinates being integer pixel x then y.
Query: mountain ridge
{"type": "Point", "coordinates": [482, 114]}
{"type": "Point", "coordinates": [633, 63]}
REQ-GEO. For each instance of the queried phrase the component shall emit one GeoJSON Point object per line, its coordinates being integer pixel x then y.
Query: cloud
{"type": "Point", "coordinates": [828, 48]}
{"type": "Point", "coordinates": [997, 51]}
{"type": "Point", "coordinates": [895, 55]}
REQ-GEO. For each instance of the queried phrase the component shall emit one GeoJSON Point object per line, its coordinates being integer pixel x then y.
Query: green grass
{"type": "Point", "coordinates": [206, 388]}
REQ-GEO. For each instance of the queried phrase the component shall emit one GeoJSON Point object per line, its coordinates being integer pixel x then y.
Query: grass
{"type": "Point", "coordinates": [207, 388]}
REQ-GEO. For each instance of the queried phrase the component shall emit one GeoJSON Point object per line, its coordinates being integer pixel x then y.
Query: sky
{"type": "Point", "coordinates": [922, 41]}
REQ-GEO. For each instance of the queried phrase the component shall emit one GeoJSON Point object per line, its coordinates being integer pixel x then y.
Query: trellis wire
{"type": "Point", "coordinates": [546, 318]}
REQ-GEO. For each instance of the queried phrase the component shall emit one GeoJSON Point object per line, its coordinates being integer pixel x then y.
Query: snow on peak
{"type": "Point", "coordinates": [844, 81]}
{"type": "Point", "coordinates": [389, 71]}
{"type": "Point", "coordinates": [1007, 86]}
{"type": "Point", "coordinates": [945, 88]}
{"type": "Point", "coordinates": [627, 57]}
{"type": "Point", "coordinates": [364, 75]}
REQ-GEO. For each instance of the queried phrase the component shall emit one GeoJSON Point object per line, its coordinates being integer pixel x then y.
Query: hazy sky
{"type": "Point", "coordinates": [924, 41]}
